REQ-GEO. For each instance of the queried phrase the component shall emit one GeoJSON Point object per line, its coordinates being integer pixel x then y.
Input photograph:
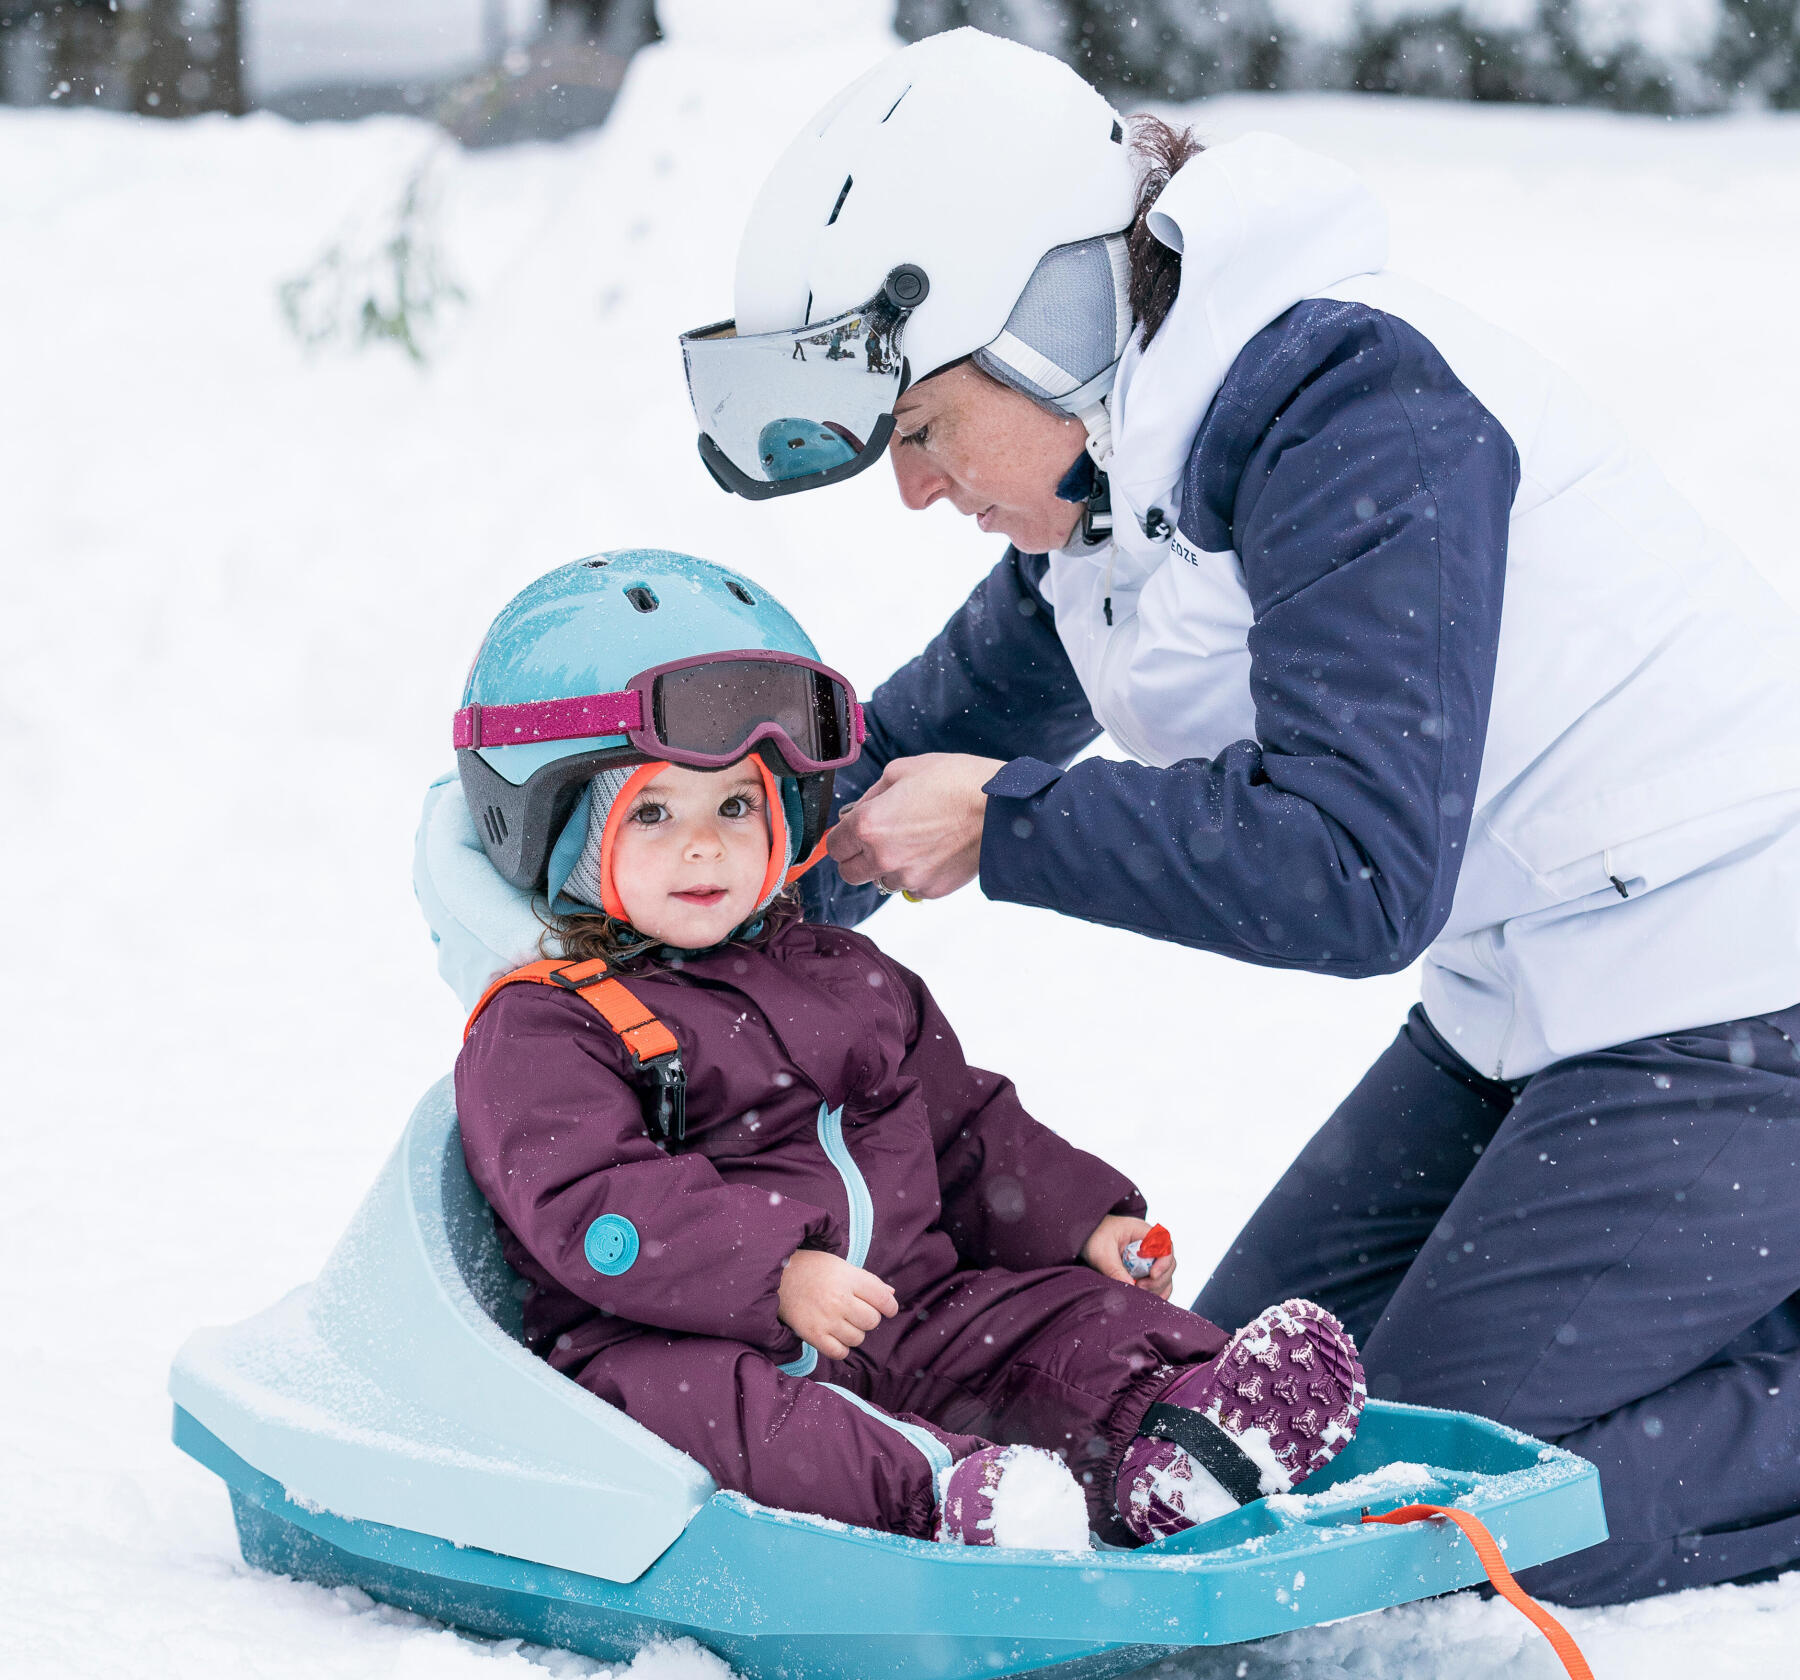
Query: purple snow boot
{"type": "Point", "coordinates": [1281, 1400]}
{"type": "Point", "coordinates": [1012, 1496]}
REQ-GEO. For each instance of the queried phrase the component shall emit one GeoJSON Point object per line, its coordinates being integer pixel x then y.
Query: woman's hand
{"type": "Point", "coordinates": [918, 829]}
{"type": "Point", "coordinates": [830, 1304]}
{"type": "Point", "coordinates": [1105, 1252]}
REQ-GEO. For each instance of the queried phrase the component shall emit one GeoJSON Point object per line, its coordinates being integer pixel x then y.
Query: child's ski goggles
{"type": "Point", "coordinates": [786, 411]}
{"type": "Point", "coordinates": [706, 713]}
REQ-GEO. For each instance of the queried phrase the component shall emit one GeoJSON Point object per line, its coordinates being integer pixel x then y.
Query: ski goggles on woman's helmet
{"type": "Point", "coordinates": [786, 411]}
{"type": "Point", "coordinates": [706, 712]}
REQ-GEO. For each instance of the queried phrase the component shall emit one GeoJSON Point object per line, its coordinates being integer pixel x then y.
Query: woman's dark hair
{"type": "Point", "coordinates": [622, 947]}
{"type": "Point", "coordinates": [1155, 270]}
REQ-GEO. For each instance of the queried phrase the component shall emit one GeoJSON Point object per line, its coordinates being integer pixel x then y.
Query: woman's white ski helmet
{"type": "Point", "coordinates": [967, 197]}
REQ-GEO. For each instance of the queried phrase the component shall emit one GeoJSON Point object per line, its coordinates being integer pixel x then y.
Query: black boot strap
{"type": "Point", "coordinates": [1227, 1463]}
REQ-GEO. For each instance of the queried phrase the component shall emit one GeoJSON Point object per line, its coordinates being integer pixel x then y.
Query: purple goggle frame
{"type": "Point", "coordinates": [706, 712]}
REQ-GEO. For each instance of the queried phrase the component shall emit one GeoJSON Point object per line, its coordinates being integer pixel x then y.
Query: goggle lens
{"type": "Point", "coordinates": [714, 709]}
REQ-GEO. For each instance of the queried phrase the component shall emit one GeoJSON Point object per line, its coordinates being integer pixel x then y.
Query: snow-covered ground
{"type": "Point", "coordinates": [241, 584]}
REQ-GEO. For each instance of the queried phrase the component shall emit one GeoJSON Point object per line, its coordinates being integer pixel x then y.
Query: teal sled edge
{"type": "Point", "coordinates": [782, 1597]}
{"type": "Point", "coordinates": [508, 1598]}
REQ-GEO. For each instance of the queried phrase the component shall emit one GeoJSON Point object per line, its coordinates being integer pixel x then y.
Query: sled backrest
{"type": "Point", "coordinates": [395, 1388]}
{"type": "Point", "coordinates": [469, 1237]}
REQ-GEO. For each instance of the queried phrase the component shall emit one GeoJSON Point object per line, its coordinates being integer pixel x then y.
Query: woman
{"type": "Point", "coordinates": [1415, 657]}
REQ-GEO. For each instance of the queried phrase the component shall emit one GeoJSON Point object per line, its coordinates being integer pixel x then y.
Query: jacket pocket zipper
{"type": "Point", "coordinates": [862, 1214]}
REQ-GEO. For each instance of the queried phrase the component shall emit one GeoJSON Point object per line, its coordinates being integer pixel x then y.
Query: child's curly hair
{"type": "Point", "coordinates": [621, 947]}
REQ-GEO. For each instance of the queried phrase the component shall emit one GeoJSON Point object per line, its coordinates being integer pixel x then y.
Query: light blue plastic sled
{"type": "Point", "coordinates": [384, 1427]}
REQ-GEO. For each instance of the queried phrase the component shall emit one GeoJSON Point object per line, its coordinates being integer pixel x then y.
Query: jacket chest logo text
{"type": "Point", "coordinates": [1183, 549]}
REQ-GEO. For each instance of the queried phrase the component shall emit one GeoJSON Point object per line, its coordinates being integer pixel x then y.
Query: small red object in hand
{"type": "Point", "coordinates": [1155, 1243]}
{"type": "Point", "coordinates": [1141, 1253]}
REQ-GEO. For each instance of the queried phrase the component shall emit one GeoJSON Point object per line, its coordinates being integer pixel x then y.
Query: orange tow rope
{"type": "Point", "coordinates": [1501, 1576]}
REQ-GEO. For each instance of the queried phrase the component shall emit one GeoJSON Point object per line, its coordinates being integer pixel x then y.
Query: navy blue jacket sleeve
{"type": "Point", "coordinates": [994, 682]}
{"type": "Point", "coordinates": [1368, 496]}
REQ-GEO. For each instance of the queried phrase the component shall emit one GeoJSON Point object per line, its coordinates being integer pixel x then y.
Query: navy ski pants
{"type": "Point", "coordinates": [1605, 1255]}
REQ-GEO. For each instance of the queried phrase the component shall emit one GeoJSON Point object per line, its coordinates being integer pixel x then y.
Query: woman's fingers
{"type": "Point", "coordinates": [918, 828]}
{"type": "Point", "coordinates": [831, 1346]}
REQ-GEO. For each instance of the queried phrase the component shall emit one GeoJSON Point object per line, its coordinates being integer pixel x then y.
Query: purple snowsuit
{"type": "Point", "coordinates": [829, 1106]}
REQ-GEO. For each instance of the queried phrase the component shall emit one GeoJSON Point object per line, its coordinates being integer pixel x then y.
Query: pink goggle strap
{"type": "Point", "coordinates": [548, 720]}
{"type": "Point", "coordinates": [569, 720]}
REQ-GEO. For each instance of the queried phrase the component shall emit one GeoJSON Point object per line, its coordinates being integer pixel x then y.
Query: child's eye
{"type": "Point", "coordinates": [737, 805]}
{"type": "Point", "coordinates": [650, 814]}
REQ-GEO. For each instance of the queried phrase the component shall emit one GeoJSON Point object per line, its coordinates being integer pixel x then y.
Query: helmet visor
{"type": "Point", "coordinates": [786, 411]}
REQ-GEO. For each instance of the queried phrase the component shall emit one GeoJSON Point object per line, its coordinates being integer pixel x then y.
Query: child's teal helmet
{"type": "Point", "coordinates": [629, 657]}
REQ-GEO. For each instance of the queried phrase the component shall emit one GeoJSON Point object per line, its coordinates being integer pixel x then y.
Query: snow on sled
{"type": "Point", "coordinates": [384, 1427]}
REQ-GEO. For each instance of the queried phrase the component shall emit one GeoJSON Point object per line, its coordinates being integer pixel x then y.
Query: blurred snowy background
{"type": "Point", "coordinates": [287, 410]}
{"type": "Point", "coordinates": [499, 70]}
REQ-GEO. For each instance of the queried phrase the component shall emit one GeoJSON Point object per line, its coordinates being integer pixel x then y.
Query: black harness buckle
{"type": "Point", "coordinates": [665, 1098]}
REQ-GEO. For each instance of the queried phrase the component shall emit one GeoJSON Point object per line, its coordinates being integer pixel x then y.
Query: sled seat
{"type": "Point", "coordinates": [395, 1388]}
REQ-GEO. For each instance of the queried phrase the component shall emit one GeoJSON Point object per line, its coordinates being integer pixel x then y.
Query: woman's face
{"type": "Point", "coordinates": [994, 453]}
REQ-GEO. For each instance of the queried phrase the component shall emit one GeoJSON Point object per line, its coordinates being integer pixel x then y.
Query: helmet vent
{"type": "Point", "coordinates": [493, 819]}
{"type": "Point", "coordinates": [843, 193]}
{"type": "Point", "coordinates": [896, 105]}
{"type": "Point", "coordinates": [1118, 133]}
{"type": "Point", "coordinates": [740, 592]}
{"type": "Point", "coordinates": [595, 565]}
{"type": "Point", "coordinates": [642, 598]}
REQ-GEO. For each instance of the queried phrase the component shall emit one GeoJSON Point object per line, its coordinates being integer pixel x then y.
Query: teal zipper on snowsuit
{"type": "Point", "coordinates": [862, 1214]}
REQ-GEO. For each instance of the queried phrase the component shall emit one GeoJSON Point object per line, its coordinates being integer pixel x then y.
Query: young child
{"type": "Point", "coordinates": [762, 1203]}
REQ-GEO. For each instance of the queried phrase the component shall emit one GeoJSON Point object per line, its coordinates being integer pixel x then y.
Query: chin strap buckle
{"type": "Point", "coordinates": [1096, 511]}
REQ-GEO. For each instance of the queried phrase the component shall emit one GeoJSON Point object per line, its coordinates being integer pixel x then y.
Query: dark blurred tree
{"type": "Point", "coordinates": [1755, 58]}
{"type": "Point", "coordinates": [1448, 55]}
{"type": "Point", "coordinates": [162, 58]}
{"type": "Point", "coordinates": [181, 65]}
{"type": "Point", "coordinates": [1158, 49]}
{"type": "Point", "coordinates": [618, 27]}
{"type": "Point", "coordinates": [84, 50]}
{"type": "Point", "coordinates": [1177, 50]}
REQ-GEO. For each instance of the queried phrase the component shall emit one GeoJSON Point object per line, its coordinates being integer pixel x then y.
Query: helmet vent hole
{"type": "Point", "coordinates": [1118, 133]}
{"type": "Point", "coordinates": [643, 599]}
{"type": "Point", "coordinates": [493, 819]}
{"type": "Point", "coordinates": [740, 592]}
{"type": "Point", "coordinates": [843, 193]}
{"type": "Point", "coordinates": [595, 565]}
{"type": "Point", "coordinates": [896, 105]}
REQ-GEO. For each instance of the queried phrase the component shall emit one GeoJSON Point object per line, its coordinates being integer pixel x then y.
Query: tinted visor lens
{"type": "Point", "coordinates": [786, 411]}
{"type": "Point", "coordinates": [714, 710]}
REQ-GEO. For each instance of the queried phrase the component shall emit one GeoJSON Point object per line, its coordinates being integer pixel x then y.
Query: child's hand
{"type": "Point", "coordinates": [830, 1304]}
{"type": "Point", "coordinates": [1105, 1252]}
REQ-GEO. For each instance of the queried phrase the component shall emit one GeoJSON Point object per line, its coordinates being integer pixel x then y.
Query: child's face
{"type": "Point", "coordinates": [690, 854]}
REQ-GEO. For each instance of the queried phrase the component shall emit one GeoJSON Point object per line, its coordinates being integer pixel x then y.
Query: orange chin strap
{"type": "Point", "coordinates": [1489, 1552]}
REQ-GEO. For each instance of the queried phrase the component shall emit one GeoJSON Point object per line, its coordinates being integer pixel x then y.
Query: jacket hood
{"type": "Point", "coordinates": [1260, 224]}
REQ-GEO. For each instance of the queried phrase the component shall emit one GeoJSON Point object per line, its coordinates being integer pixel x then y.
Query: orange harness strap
{"type": "Point", "coordinates": [1502, 1578]}
{"type": "Point", "coordinates": [653, 1047]}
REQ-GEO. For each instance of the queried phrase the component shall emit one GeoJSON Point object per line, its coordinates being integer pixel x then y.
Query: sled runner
{"type": "Point", "coordinates": [384, 1427]}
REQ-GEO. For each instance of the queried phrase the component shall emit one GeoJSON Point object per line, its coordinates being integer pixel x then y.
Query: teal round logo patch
{"type": "Point", "coordinates": [611, 1244]}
